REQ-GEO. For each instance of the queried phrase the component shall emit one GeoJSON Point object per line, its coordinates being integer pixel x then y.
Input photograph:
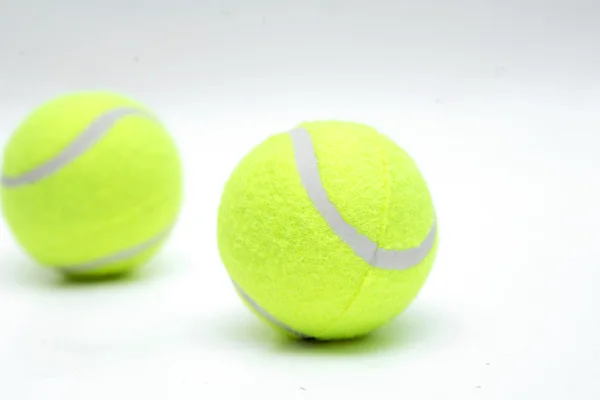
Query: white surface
{"type": "Point", "coordinates": [498, 102]}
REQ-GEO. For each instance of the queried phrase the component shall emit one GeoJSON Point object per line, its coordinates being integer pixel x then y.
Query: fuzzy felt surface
{"type": "Point", "coordinates": [123, 191]}
{"type": "Point", "coordinates": [276, 245]}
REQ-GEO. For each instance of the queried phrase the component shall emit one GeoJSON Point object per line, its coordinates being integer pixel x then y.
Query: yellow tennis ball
{"type": "Point", "coordinates": [328, 231]}
{"type": "Point", "coordinates": [91, 184]}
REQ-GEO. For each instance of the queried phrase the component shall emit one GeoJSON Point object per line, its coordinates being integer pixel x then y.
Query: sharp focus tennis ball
{"type": "Point", "coordinates": [328, 231]}
{"type": "Point", "coordinates": [91, 184]}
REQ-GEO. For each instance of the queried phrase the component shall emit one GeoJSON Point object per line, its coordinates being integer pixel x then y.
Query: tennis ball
{"type": "Point", "coordinates": [327, 231]}
{"type": "Point", "coordinates": [91, 184]}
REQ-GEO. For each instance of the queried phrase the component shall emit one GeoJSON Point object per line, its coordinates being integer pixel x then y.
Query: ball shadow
{"type": "Point", "coordinates": [403, 332]}
{"type": "Point", "coordinates": [26, 273]}
{"type": "Point", "coordinates": [414, 327]}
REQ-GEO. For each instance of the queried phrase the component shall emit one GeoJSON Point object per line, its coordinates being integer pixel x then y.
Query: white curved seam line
{"type": "Point", "coordinates": [119, 256]}
{"type": "Point", "coordinates": [86, 139]}
{"type": "Point", "coordinates": [307, 165]}
{"type": "Point", "coordinates": [266, 314]}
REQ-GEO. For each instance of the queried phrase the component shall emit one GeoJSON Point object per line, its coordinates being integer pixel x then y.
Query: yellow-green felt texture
{"type": "Point", "coordinates": [277, 246]}
{"type": "Point", "coordinates": [122, 191]}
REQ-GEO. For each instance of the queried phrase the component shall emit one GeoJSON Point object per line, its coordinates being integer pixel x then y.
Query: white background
{"type": "Point", "coordinates": [498, 101]}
